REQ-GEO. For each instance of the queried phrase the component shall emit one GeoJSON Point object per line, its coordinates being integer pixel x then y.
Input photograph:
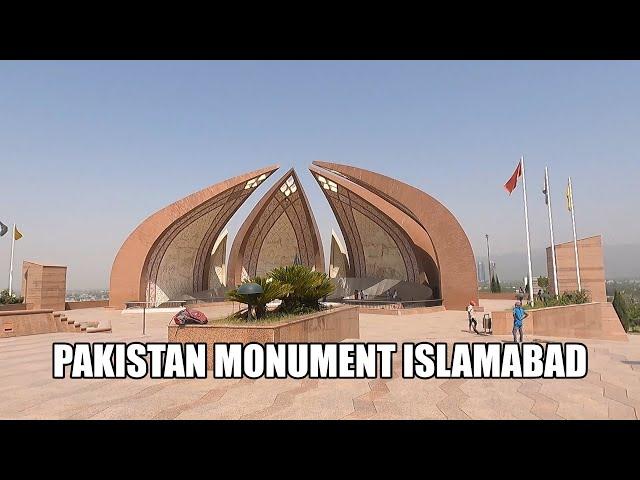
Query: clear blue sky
{"type": "Point", "coordinates": [89, 149]}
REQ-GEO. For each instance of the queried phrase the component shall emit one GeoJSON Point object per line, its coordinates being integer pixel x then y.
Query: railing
{"type": "Point", "coordinates": [393, 304]}
{"type": "Point", "coordinates": [167, 304]}
{"type": "Point", "coordinates": [212, 299]}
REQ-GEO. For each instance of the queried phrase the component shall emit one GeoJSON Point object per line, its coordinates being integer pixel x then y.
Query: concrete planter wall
{"type": "Point", "coordinates": [85, 304]}
{"type": "Point", "coordinates": [597, 320]}
{"type": "Point", "coordinates": [332, 325]}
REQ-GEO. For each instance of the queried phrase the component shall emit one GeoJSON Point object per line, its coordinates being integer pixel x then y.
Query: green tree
{"type": "Point", "coordinates": [543, 282]}
{"type": "Point", "coordinates": [621, 307]}
{"type": "Point", "coordinates": [634, 315]}
{"type": "Point", "coordinates": [495, 284]}
{"type": "Point", "coordinates": [5, 298]}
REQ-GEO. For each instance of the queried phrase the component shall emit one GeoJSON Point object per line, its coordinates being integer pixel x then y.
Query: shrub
{"type": "Point", "coordinates": [299, 288]}
{"type": "Point", "coordinates": [271, 290]}
{"type": "Point", "coordinates": [566, 298]}
{"type": "Point", "coordinates": [307, 287]}
{"type": "Point", "coordinates": [5, 298]}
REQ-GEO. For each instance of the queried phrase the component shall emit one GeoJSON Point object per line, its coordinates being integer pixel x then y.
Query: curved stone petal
{"type": "Point", "coordinates": [165, 256]}
{"type": "Point", "coordinates": [452, 251]}
{"type": "Point", "coordinates": [280, 230]}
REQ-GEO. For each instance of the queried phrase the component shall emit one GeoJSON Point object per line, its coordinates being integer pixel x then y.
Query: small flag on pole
{"type": "Point", "coordinates": [16, 234]}
{"type": "Point", "coordinates": [569, 198]}
{"type": "Point", "coordinates": [3, 229]}
{"type": "Point", "coordinates": [545, 190]}
{"type": "Point", "coordinates": [512, 183]}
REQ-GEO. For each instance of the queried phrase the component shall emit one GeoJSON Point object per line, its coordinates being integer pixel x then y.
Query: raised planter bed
{"type": "Point", "coordinates": [333, 325]}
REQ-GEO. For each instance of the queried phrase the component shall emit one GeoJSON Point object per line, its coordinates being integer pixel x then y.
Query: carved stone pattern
{"type": "Point", "coordinates": [209, 239]}
{"type": "Point", "coordinates": [155, 258]}
{"type": "Point", "coordinates": [344, 215]}
{"type": "Point", "coordinates": [342, 205]}
{"type": "Point", "coordinates": [278, 248]}
{"type": "Point", "coordinates": [256, 236]}
{"type": "Point", "coordinates": [175, 274]}
{"type": "Point", "coordinates": [303, 229]}
{"type": "Point", "coordinates": [292, 206]}
{"type": "Point", "coordinates": [403, 242]}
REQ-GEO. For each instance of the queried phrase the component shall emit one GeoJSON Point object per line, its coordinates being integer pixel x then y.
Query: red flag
{"type": "Point", "coordinates": [513, 181]}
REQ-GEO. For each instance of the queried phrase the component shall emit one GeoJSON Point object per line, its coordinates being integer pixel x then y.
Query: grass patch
{"type": "Point", "coordinates": [268, 318]}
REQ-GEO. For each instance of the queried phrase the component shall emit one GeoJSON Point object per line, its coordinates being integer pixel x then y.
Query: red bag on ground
{"type": "Point", "coordinates": [189, 316]}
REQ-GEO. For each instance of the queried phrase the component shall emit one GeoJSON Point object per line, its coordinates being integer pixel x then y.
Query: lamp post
{"type": "Point", "coordinates": [251, 291]}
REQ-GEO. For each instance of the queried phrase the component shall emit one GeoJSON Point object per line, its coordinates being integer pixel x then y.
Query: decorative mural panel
{"type": "Point", "coordinates": [368, 233]}
{"type": "Point", "coordinates": [279, 247]}
{"type": "Point", "coordinates": [216, 205]}
{"type": "Point", "coordinates": [216, 213]}
{"type": "Point", "coordinates": [175, 273]}
{"type": "Point", "coordinates": [382, 256]}
{"type": "Point", "coordinates": [286, 213]}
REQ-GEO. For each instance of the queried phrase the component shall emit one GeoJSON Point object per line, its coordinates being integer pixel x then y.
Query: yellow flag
{"type": "Point", "coordinates": [16, 234]}
{"type": "Point", "coordinates": [569, 197]}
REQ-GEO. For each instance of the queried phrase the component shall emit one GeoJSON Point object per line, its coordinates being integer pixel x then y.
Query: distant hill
{"type": "Point", "coordinates": [620, 262]}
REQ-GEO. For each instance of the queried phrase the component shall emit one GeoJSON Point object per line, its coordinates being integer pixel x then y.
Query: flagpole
{"type": "Point", "coordinates": [488, 258]}
{"type": "Point", "coordinates": [13, 242]}
{"type": "Point", "coordinates": [553, 243]}
{"type": "Point", "coordinates": [526, 223]}
{"type": "Point", "coordinates": [575, 238]}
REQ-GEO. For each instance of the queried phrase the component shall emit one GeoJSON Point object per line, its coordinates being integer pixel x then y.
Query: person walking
{"type": "Point", "coordinates": [471, 315]}
{"type": "Point", "coordinates": [518, 318]}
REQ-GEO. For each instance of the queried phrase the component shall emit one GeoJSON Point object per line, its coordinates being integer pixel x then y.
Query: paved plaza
{"type": "Point", "coordinates": [611, 390]}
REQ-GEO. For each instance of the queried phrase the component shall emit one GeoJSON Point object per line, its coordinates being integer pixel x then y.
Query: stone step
{"type": "Point", "coordinates": [98, 329]}
{"type": "Point", "coordinates": [61, 322]}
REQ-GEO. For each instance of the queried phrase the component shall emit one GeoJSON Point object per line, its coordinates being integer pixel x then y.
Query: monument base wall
{"type": "Point", "coordinates": [597, 320]}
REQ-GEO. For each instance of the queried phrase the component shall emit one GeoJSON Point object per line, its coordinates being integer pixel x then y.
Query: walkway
{"type": "Point", "coordinates": [610, 390]}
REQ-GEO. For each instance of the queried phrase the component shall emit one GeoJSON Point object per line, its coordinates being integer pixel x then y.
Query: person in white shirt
{"type": "Point", "coordinates": [471, 315]}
